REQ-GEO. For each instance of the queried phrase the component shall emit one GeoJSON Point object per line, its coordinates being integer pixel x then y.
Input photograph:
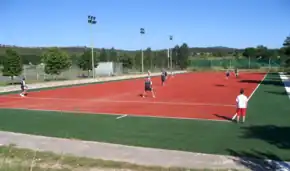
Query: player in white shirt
{"type": "Point", "coordinates": [242, 102]}
{"type": "Point", "coordinates": [23, 87]}
{"type": "Point", "coordinates": [172, 74]}
{"type": "Point", "coordinates": [149, 73]}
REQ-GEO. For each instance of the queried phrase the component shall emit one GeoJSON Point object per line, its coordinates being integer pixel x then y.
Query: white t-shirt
{"type": "Point", "coordinates": [242, 101]}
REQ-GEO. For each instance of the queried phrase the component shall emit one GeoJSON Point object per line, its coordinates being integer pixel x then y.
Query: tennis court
{"type": "Point", "coordinates": [190, 113]}
{"type": "Point", "coordinates": [188, 96]}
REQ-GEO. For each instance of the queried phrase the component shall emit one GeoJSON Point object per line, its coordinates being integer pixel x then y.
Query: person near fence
{"type": "Point", "coordinates": [23, 87]}
{"type": "Point", "coordinates": [149, 73]}
{"type": "Point", "coordinates": [148, 87]}
{"type": "Point", "coordinates": [172, 74]}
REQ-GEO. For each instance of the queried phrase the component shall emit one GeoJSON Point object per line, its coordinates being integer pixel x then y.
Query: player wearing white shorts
{"type": "Point", "coordinates": [23, 87]}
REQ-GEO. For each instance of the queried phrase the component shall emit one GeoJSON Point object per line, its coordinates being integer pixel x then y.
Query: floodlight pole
{"type": "Point", "coordinates": [142, 32]}
{"type": "Point", "coordinates": [170, 52]}
{"type": "Point", "coordinates": [92, 21]}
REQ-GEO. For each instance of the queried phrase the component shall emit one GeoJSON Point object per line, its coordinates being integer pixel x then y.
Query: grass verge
{"type": "Point", "coordinates": [18, 159]}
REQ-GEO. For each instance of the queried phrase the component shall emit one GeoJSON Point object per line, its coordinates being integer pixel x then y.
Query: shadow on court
{"type": "Point", "coordinates": [275, 135]}
{"type": "Point", "coordinates": [277, 92]}
{"type": "Point", "coordinates": [223, 117]}
{"type": "Point", "coordinates": [259, 161]}
{"type": "Point", "coordinates": [219, 85]}
{"type": "Point", "coordinates": [265, 82]}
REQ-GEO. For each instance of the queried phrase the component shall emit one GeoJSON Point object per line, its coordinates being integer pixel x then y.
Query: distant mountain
{"type": "Point", "coordinates": [80, 49]}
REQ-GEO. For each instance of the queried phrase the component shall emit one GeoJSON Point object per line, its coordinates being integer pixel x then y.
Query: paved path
{"type": "Point", "coordinates": [137, 155]}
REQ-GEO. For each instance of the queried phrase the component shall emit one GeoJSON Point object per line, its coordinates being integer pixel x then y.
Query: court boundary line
{"type": "Point", "coordinates": [122, 116]}
{"type": "Point", "coordinates": [106, 100]}
{"type": "Point", "coordinates": [118, 114]}
{"type": "Point", "coordinates": [284, 81]}
{"type": "Point", "coordinates": [253, 92]}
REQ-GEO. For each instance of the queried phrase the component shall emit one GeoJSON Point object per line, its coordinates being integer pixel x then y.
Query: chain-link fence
{"type": "Point", "coordinates": [36, 73]}
{"type": "Point", "coordinates": [241, 63]}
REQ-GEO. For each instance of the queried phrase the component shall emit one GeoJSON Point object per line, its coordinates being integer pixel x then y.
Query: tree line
{"type": "Point", "coordinates": [57, 60]}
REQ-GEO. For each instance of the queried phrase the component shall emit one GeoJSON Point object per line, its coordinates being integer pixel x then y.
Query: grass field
{"type": "Point", "coordinates": [190, 113]}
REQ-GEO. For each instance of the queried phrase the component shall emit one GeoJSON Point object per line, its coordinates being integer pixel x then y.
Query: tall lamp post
{"type": "Point", "coordinates": [170, 52]}
{"type": "Point", "coordinates": [92, 21]}
{"type": "Point", "coordinates": [142, 32]}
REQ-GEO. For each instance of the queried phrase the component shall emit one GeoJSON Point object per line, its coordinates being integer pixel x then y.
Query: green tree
{"type": "Point", "coordinates": [126, 60]}
{"type": "Point", "coordinates": [113, 55]}
{"type": "Point", "coordinates": [175, 54]}
{"type": "Point", "coordinates": [249, 52]}
{"type": "Point", "coordinates": [56, 61]}
{"type": "Point", "coordinates": [263, 52]}
{"type": "Point", "coordinates": [235, 54]}
{"type": "Point", "coordinates": [183, 58]}
{"type": "Point", "coordinates": [104, 57]}
{"type": "Point", "coordinates": [137, 60]}
{"type": "Point", "coordinates": [148, 61]}
{"type": "Point", "coordinates": [286, 46]}
{"type": "Point", "coordinates": [84, 61]}
{"type": "Point", "coordinates": [12, 64]}
{"type": "Point", "coordinates": [285, 51]}
{"type": "Point", "coordinates": [160, 59]}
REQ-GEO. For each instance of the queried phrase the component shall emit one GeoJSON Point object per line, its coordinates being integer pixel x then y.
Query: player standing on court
{"type": "Point", "coordinates": [149, 73]}
{"type": "Point", "coordinates": [242, 102]}
{"type": "Point", "coordinates": [148, 87]}
{"type": "Point", "coordinates": [166, 74]}
{"type": "Point", "coordinates": [163, 77]}
{"type": "Point", "coordinates": [172, 73]}
{"type": "Point", "coordinates": [227, 74]}
{"type": "Point", "coordinates": [236, 72]}
{"type": "Point", "coordinates": [23, 87]}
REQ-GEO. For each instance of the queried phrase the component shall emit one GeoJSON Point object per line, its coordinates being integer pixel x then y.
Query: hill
{"type": "Point", "coordinates": [78, 50]}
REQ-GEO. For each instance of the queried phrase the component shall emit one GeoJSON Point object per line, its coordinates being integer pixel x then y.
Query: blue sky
{"type": "Point", "coordinates": [199, 23]}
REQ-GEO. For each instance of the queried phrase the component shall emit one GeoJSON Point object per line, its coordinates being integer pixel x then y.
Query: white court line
{"type": "Point", "coordinates": [104, 100]}
{"type": "Point", "coordinates": [118, 114]}
{"type": "Point", "coordinates": [122, 116]}
{"type": "Point", "coordinates": [235, 115]}
{"type": "Point", "coordinates": [284, 78]}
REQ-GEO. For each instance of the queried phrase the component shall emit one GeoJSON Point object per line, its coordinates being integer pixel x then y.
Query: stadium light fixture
{"type": "Point", "coordinates": [92, 21]}
{"type": "Point", "coordinates": [142, 32]}
{"type": "Point", "coordinates": [170, 52]}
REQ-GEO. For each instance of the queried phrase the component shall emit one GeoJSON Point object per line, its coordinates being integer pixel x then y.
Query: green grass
{"type": "Point", "coordinates": [264, 135]}
{"type": "Point", "coordinates": [18, 159]}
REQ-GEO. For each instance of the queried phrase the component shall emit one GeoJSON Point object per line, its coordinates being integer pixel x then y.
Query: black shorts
{"type": "Point", "coordinates": [148, 89]}
{"type": "Point", "coordinates": [22, 88]}
{"type": "Point", "coordinates": [163, 78]}
{"type": "Point", "coordinates": [227, 74]}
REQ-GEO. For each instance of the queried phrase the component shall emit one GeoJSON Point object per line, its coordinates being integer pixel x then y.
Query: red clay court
{"type": "Point", "coordinates": [186, 96]}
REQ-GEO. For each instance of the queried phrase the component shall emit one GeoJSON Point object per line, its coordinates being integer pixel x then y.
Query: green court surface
{"type": "Point", "coordinates": [264, 135]}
